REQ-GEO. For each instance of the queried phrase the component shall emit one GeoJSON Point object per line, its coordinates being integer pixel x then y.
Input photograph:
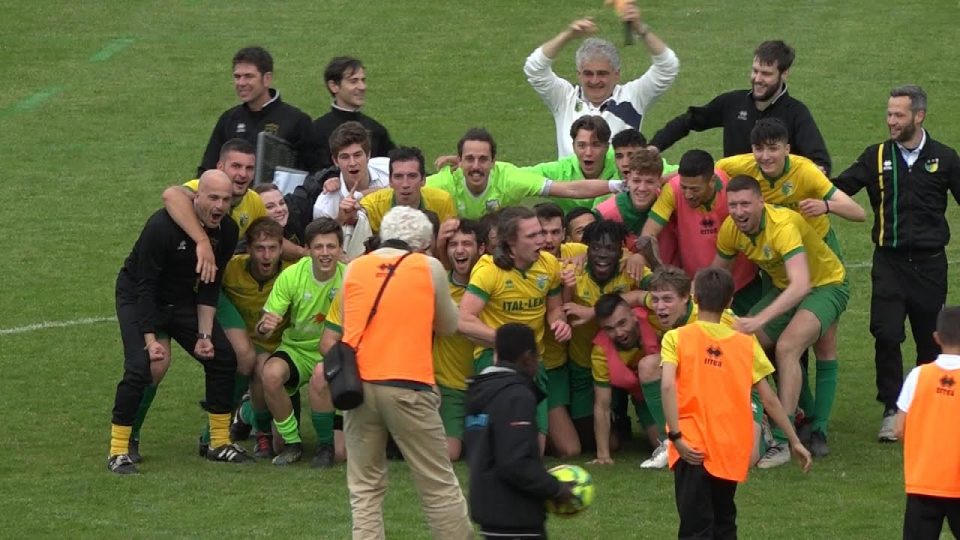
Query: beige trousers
{"type": "Point", "coordinates": [413, 418]}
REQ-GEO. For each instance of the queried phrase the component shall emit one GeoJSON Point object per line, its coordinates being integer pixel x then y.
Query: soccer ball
{"type": "Point", "coordinates": [582, 490]}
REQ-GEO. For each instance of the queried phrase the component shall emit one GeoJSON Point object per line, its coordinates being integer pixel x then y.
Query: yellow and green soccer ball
{"type": "Point", "coordinates": [582, 490]}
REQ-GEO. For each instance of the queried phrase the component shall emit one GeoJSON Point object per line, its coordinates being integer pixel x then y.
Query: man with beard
{"type": "Point", "coordinates": [601, 275]}
{"type": "Point", "coordinates": [907, 179]}
{"type": "Point", "coordinates": [158, 293]}
{"type": "Point", "coordinates": [809, 294]}
{"type": "Point", "coordinates": [261, 109]}
{"type": "Point", "coordinates": [519, 283]}
{"type": "Point", "coordinates": [737, 111]}
{"type": "Point", "coordinates": [480, 184]}
{"type": "Point", "coordinates": [461, 242]}
{"type": "Point", "coordinates": [305, 291]}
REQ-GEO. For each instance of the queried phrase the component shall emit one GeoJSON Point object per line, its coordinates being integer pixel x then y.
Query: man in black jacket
{"type": "Point", "coordinates": [346, 80]}
{"type": "Point", "coordinates": [261, 109]}
{"type": "Point", "coordinates": [159, 296]}
{"type": "Point", "coordinates": [508, 483]}
{"type": "Point", "coordinates": [737, 111]}
{"type": "Point", "coordinates": [907, 178]}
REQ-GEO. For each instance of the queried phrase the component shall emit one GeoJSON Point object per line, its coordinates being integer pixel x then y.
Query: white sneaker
{"type": "Point", "coordinates": [777, 455]}
{"type": "Point", "coordinates": [659, 458]}
{"type": "Point", "coordinates": [887, 433]}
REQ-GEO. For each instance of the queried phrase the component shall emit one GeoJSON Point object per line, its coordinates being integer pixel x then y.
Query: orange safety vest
{"type": "Point", "coordinates": [931, 440]}
{"type": "Point", "coordinates": [398, 343]}
{"type": "Point", "coordinates": [714, 380]}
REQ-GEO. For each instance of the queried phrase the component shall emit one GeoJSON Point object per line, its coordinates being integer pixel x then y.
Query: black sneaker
{"type": "Point", "coordinates": [239, 430]}
{"type": "Point", "coordinates": [133, 450]}
{"type": "Point", "coordinates": [203, 448]}
{"type": "Point", "coordinates": [121, 464]}
{"type": "Point", "coordinates": [229, 453]}
{"type": "Point", "coordinates": [291, 454]}
{"type": "Point", "coordinates": [805, 431]}
{"type": "Point", "coordinates": [324, 457]}
{"type": "Point", "coordinates": [263, 447]}
{"type": "Point", "coordinates": [818, 445]}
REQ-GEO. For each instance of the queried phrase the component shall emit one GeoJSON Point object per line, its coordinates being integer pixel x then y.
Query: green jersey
{"type": "Point", "coordinates": [307, 300]}
{"type": "Point", "coordinates": [508, 186]}
{"type": "Point", "coordinates": [567, 170]}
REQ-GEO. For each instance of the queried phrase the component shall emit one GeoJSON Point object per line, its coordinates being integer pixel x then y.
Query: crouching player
{"type": "Point", "coordinates": [305, 290]}
{"type": "Point", "coordinates": [708, 363]}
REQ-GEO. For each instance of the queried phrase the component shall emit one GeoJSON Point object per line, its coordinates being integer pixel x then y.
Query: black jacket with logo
{"type": "Point", "coordinates": [277, 118]}
{"type": "Point", "coordinates": [508, 483]}
{"type": "Point", "coordinates": [909, 203]}
{"type": "Point", "coordinates": [737, 113]}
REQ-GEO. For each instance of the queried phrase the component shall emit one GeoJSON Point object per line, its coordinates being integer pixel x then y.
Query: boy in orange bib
{"type": "Point", "coordinates": [930, 402]}
{"type": "Point", "coordinates": [708, 372]}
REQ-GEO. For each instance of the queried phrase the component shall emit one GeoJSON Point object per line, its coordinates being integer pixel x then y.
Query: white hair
{"type": "Point", "coordinates": [596, 48]}
{"type": "Point", "coordinates": [409, 225]}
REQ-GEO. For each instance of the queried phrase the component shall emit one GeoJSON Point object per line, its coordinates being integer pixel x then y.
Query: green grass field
{"type": "Point", "coordinates": [105, 103]}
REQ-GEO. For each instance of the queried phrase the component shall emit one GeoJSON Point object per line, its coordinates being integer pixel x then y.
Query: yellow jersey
{"type": "Point", "coordinates": [377, 204]}
{"type": "Point", "coordinates": [587, 292]}
{"type": "Point", "coordinates": [248, 209]}
{"type": "Point", "coordinates": [518, 296]}
{"type": "Point", "coordinates": [783, 233]}
{"type": "Point", "coordinates": [554, 352]}
{"type": "Point", "coordinates": [800, 179]}
{"type": "Point", "coordinates": [453, 355]}
{"type": "Point", "coordinates": [249, 295]}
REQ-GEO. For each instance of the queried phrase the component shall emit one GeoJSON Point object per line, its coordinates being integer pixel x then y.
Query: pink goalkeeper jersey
{"type": "Point", "coordinates": [697, 228]}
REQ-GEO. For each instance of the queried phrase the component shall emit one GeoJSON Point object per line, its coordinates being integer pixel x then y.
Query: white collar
{"type": "Point", "coordinates": [923, 141]}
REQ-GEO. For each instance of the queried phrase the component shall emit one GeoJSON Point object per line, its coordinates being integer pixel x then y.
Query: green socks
{"type": "Point", "coordinates": [149, 393]}
{"type": "Point", "coordinates": [654, 398]}
{"type": "Point", "coordinates": [778, 435]}
{"type": "Point", "coordinates": [323, 426]}
{"type": "Point", "coordinates": [826, 392]}
{"type": "Point", "coordinates": [288, 429]}
{"type": "Point", "coordinates": [240, 385]}
{"type": "Point", "coordinates": [261, 421]}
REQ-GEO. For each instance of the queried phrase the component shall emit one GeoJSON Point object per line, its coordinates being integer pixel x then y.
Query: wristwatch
{"type": "Point", "coordinates": [674, 436]}
{"type": "Point", "coordinates": [203, 335]}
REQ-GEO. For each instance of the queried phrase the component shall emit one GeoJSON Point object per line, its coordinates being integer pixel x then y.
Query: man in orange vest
{"type": "Point", "coordinates": [707, 362]}
{"type": "Point", "coordinates": [930, 401]}
{"type": "Point", "coordinates": [398, 378]}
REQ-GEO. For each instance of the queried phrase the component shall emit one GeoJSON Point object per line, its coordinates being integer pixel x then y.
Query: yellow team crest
{"type": "Point", "coordinates": [271, 128]}
{"type": "Point", "coordinates": [932, 165]}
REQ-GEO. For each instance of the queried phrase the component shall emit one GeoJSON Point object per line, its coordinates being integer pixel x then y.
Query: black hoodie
{"type": "Point", "coordinates": [508, 483]}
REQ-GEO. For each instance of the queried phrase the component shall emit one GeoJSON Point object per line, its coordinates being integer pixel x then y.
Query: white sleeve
{"type": "Point", "coordinates": [654, 82]}
{"type": "Point", "coordinates": [553, 90]}
{"type": "Point", "coordinates": [328, 204]}
{"type": "Point", "coordinates": [908, 389]}
{"type": "Point", "coordinates": [361, 232]}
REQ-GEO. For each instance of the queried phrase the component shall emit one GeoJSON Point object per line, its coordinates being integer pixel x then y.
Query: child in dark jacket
{"type": "Point", "coordinates": [508, 483]}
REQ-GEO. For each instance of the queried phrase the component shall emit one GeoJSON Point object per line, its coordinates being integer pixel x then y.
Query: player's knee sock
{"type": "Point", "coordinates": [246, 412]}
{"type": "Point", "coordinates": [240, 385]}
{"type": "Point", "coordinates": [288, 430]}
{"type": "Point", "coordinates": [323, 426]}
{"type": "Point", "coordinates": [119, 439]}
{"type": "Point", "coordinates": [806, 394]}
{"type": "Point", "coordinates": [654, 398]}
{"type": "Point", "coordinates": [149, 393]}
{"type": "Point", "coordinates": [778, 435]}
{"type": "Point", "coordinates": [261, 421]}
{"type": "Point", "coordinates": [219, 429]}
{"type": "Point", "coordinates": [826, 392]}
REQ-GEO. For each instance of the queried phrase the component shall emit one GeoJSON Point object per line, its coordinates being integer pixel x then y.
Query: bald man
{"type": "Point", "coordinates": [159, 297]}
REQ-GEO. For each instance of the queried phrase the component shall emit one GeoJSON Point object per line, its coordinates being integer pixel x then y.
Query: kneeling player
{"type": "Point", "coordinates": [305, 290]}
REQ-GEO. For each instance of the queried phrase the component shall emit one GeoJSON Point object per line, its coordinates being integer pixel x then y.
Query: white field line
{"type": "Point", "coordinates": [94, 320]}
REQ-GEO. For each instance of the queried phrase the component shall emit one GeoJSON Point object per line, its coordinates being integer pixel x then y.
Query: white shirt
{"type": "Point", "coordinates": [566, 102]}
{"type": "Point", "coordinates": [946, 361]}
{"type": "Point", "coordinates": [328, 204]}
{"type": "Point", "coordinates": [911, 156]}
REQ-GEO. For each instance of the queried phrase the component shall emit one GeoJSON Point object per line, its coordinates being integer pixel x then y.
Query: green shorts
{"type": "Point", "coordinates": [558, 387]}
{"type": "Point", "coordinates": [757, 406]}
{"type": "Point", "coordinates": [833, 242]}
{"type": "Point", "coordinates": [485, 360]}
{"type": "Point", "coordinates": [227, 314]}
{"type": "Point", "coordinates": [748, 296]}
{"type": "Point", "coordinates": [452, 411]}
{"type": "Point", "coordinates": [581, 391]}
{"type": "Point", "coordinates": [826, 303]}
{"type": "Point", "coordinates": [301, 366]}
